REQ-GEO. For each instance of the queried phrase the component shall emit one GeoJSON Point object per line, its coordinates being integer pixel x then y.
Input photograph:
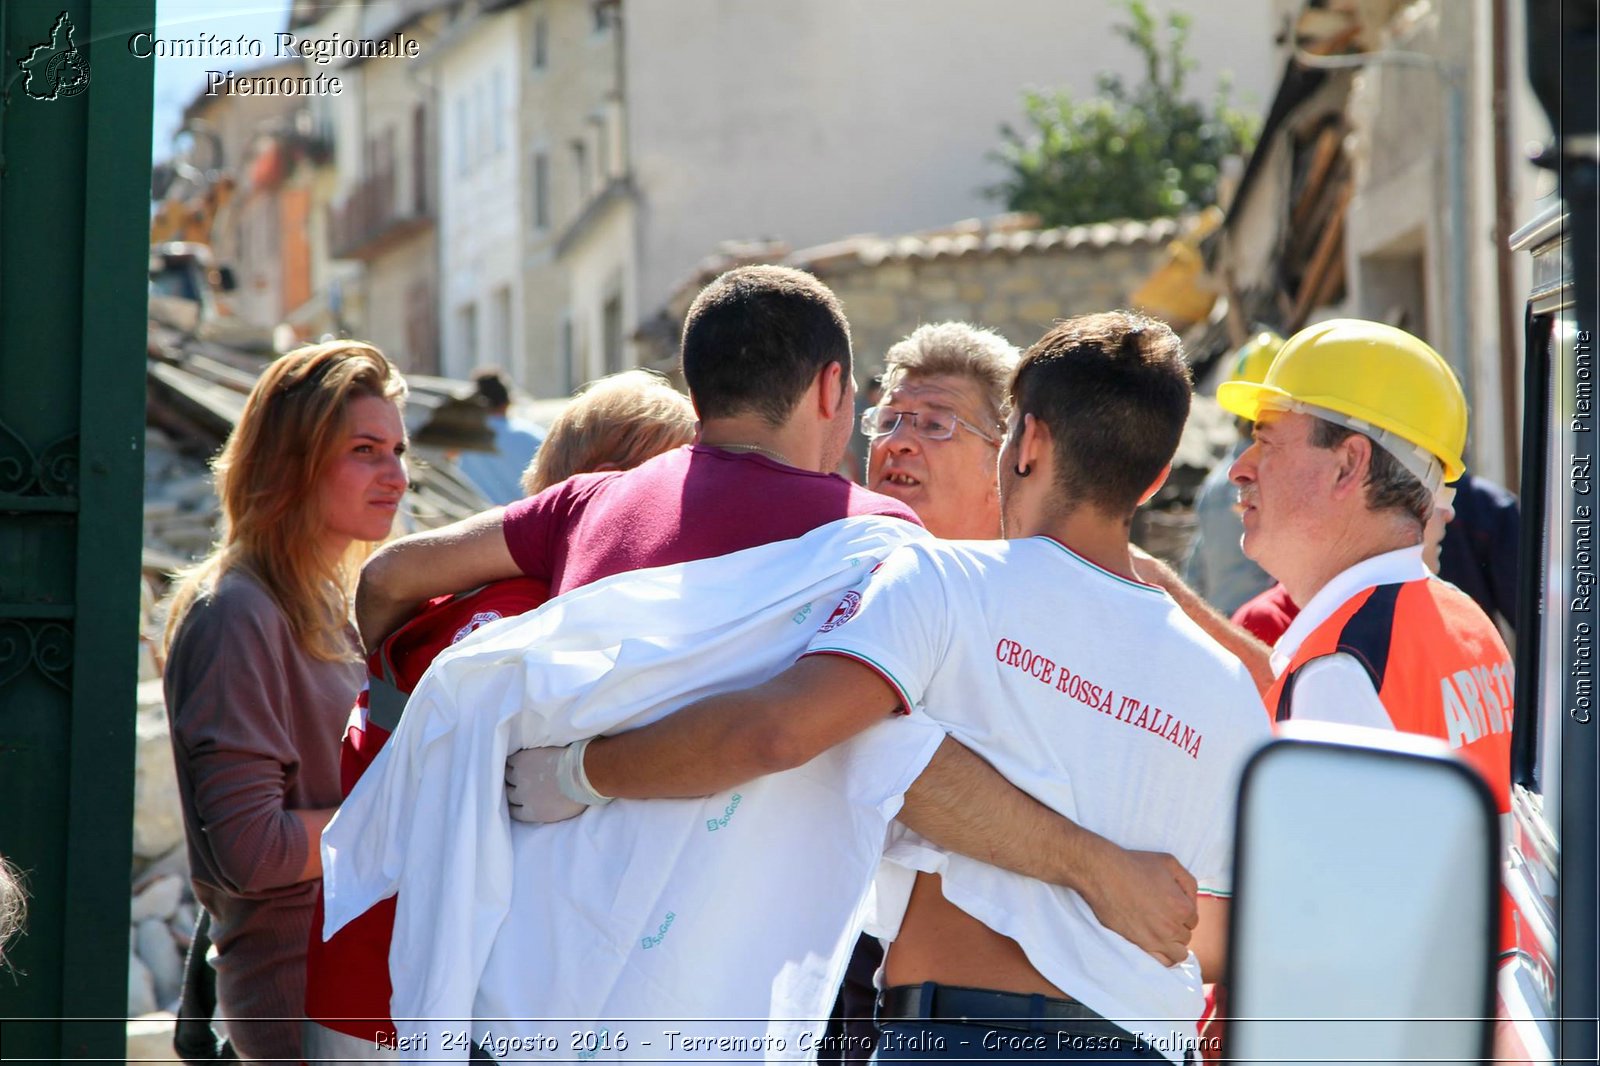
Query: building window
{"type": "Point", "coordinates": [497, 115]}
{"type": "Point", "coordinates": [611, 129]}
{"type": "Point", "coordinates": [602, 154]}
{"type": "Point", "coordinates": [541, 191]}
{"type": "Point", "coordinates": [541, 41]}
{"type": "Point", "coordinates": [611, 333]}
{"type": "Point", "coordinates": [580, 167]}
{"type": "Point", "coordinates": [419, 160]}
{"type": "Point", "coordinates": [385, 153]}
{"type": "Point", "coordinates": [569, 353]}
{"type": "Point", "coordinates": [500, 326]}
{"type": "Point", "coordinates": [467, 328]}
{"type": "Point", "coordinates": [422, 330]}
{"type": "Point", "coordinates": [463, 131]}
{"type": "Point", "coordinates": [601, 10]}
{"type": "Point", "coordinates": [480, 125]}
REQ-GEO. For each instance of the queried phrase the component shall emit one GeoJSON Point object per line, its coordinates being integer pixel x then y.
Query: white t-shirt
{"type": "Point", "coordinates": [1091, 692]}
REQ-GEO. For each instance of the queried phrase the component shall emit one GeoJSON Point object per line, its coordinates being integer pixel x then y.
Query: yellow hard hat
{"type": "Point", "coordinates": [1371, 377]}
{"type": "Point", "coordinates": [1254, 357]}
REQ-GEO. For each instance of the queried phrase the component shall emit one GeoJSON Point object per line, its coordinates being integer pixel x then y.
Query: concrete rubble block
{"type": "Point", "coordinates": [141, 987]}
{"type": "Point", "coordinates": [186, 523]}
{"type": "Point", "coordinates": [158, 899]}
{"type": "Point", "coordinates": [150, 1037]}
{"type": "Point", "coordinates": [159, 456]}
{"type": "Point", "coordinates": [160, 953]}
{"type": "Point", "coordinates": [195, 492]}
{"type": "Point", "coordinates": [182, 926]}
{"type": "Point", "coordinates": [148, 670]}
{"type": "Point", "coordinates": [174, 861]}
{"type": "Point", "coordinates": [1165, 534]}
{"type": "Point", "coordinates": [157, 815]}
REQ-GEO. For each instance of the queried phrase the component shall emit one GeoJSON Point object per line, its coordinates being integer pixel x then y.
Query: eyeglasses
{"type": "Point", "coordinates": [929, 425]}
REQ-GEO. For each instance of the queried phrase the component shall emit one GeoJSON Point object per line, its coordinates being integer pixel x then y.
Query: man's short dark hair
{"type": "Point", "coordinates": [493, 388]}
{"type": "Point", "coordinates": [755, 339]}
{"type": "Point", "coordinates": [1114, 389]}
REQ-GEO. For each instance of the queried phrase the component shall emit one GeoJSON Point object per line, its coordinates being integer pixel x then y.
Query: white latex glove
{"type": "Point", "coordinates": [533, 787]}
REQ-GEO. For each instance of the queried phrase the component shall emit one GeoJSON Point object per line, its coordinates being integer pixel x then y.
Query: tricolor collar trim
{"type": "Point", "coordinates": [1132, 582]}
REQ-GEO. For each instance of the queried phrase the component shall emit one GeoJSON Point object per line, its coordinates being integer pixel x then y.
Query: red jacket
{"type": "Point", "coordinates": [347, 977]}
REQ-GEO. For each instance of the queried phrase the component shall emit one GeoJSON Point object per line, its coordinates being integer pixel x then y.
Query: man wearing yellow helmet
{"type": "Point", "coordinates": [1215, 567]}
{"type": "Point", "coordinates": [1358, 427]}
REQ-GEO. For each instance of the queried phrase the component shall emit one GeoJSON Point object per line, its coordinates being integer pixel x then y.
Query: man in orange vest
{"type": "Point", "coordinates": [1358, 427]}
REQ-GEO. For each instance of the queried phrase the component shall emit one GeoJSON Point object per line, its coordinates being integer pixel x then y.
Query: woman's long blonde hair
{"type": "Point", "coordinates": [266, 478]}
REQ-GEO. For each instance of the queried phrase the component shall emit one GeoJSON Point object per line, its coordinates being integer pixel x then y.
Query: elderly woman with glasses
{"type": "Point", "coordinates": [935, 434]}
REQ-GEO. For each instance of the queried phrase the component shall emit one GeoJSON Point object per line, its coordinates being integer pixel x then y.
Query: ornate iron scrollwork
{"type": "Point", "coordinates": [45, 646]}
{"type": "Point", "coordinates": [51, 472]}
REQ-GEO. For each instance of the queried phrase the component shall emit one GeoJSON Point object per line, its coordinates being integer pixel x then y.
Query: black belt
{"type": "Point", "coordinates": [997, 1010]}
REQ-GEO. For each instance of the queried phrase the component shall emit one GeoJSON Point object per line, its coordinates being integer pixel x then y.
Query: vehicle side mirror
{"type": "Point", "coordinates": [226, 282]}
{"type": "Point", "coordinates": [1365, 917]}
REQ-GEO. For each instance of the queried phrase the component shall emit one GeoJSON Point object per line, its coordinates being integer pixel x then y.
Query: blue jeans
{"type": "Point", "coordinates": [935, 1021]}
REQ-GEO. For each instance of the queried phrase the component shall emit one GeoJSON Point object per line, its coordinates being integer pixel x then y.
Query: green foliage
{"type": "Point", "coordinates": [1140, 153]}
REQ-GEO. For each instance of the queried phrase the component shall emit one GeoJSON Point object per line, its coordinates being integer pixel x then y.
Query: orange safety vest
{"type": "Point", "coordinates": [1440, 669]}
{"type": "Point", "coordinates": [1437, 662]}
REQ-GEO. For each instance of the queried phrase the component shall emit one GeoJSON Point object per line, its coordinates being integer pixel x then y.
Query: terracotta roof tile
{"type": "Point", "coordinates": [1003, 235]}
{"type": "Point", "coordinates": [1011, 234]}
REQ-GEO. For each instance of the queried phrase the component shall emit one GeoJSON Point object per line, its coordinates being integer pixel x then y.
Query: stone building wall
{"type": "Point", "coordinates": [1015, 283]}
{"type": "Point", "coordinates": [1002, 273]}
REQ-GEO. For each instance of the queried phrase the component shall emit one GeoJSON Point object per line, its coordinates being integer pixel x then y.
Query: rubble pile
{"type": "Point", "coordinates": [162, 910]}
{"type": "Point", "coordinates": [1165, 527]}
{"type": "Point", "coordinates": [180, 505]}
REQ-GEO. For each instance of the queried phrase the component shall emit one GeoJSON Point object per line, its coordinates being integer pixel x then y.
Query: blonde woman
{"type": "Point", "coordinates": [614, 423]}
{"type": "Point", "coordinates": [263, 664]}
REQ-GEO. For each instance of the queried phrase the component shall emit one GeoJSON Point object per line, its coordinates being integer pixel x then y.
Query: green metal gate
{"type": "Point", "coordinates": [74, 215]}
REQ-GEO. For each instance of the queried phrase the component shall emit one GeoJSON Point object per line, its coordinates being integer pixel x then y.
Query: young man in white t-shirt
{"type": "Point", "coordinates": [1084, 686]}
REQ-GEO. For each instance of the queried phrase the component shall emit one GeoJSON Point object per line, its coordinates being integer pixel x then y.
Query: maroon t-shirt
{"type": "Point", "coordinates": [694, 502]}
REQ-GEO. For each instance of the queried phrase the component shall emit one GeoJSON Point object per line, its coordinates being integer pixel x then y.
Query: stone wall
{"type": "Point", "coordinates": [1019, 292]}
{"type": "Point", "coordinates": [1004, 273]}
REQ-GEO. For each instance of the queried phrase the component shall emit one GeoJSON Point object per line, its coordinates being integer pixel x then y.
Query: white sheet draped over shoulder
{"type": "Point", "coordinates": [696, 913]}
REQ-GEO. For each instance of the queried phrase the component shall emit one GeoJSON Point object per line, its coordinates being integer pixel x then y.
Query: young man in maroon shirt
{"type": "Point", "coordinates": [766, 355]}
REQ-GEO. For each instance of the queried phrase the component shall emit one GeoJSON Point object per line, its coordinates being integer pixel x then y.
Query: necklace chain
{"type": "Point", "coordinates": [769, 453]}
